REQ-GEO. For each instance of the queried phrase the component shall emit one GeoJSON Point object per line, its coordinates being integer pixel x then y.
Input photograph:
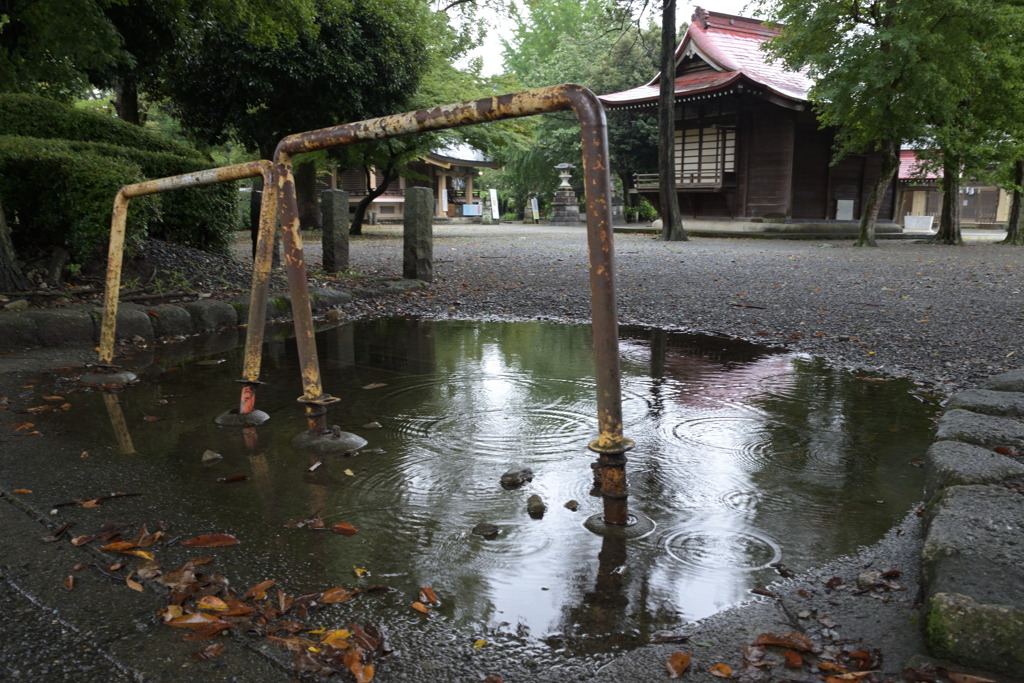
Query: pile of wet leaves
{"type": "Point", "coordinates": [206, 606]}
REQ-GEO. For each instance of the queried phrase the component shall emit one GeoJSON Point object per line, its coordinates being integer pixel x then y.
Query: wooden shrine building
{"type": "Point", "coordinates": [749, 148]}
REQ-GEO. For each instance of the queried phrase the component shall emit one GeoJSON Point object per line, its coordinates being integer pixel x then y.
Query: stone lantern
{"type": "Point", "coordinates": [564, 209]}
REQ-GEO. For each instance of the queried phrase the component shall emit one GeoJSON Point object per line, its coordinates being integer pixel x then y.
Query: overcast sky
{"type": "Point", "coordinates": [490, 51]}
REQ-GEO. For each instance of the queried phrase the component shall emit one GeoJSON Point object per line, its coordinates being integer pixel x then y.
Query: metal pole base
{"type": "Point", "coordinates": [233, 418]}
{"type": "Point", "coordinates": [331, 441]}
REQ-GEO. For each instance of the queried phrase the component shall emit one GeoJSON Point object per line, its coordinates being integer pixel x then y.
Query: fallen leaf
{"type": "Point", "coordinates": [92, 503]}
{"type": "Point", "coordinates": [428, 596]}
{"type": "Point", "coordinates": [360, 572]}
{"type": "Point", "coordinates": [53, 398]}
{"type": "Point", "coordinates": [793, 659]}
{"type": "Point", "coordinates": [794, 641]}
{"type": "Point", "coordinates": [207, 631]}
{"type": "Point", "coordinates": [293, 643]}
{"type": "Point", "coordinates": [191, 620]}
{"type": "Point", "coordinates": [349, 473]}
{"type": "Point", "coordinates": [375, 385]}
{"type": "Point", "coordinates": [334, 596]}
{"type": "Point", "coordinates": [362, 672]}
{"type": "Point", "coordinates": [209, 652]}
{"type": "Point", "coordinates": [22, 490]}
{"type": "Point", "coordinates": [82, 540]}
{"type": "Point", "coordinates": [420, 607]}
{"type": "Point", "coordinates": [852, 676]}
{"type": "Point", "coordinates": [831, 666]}
{"type": "Point", "coordinates": [721, 670]}
{"type": "Point", "coordinates": [118, 546]}
{"type": "Point", "coordinates": [345, 529]}
{"type": "Point", "coordinates": [677, 664]}
{"type": "Point", "coordinates": [212, 603]}
{"type": "Point", "coordinates": [336, 638]}
{"type": "Point", "coordinates": [211, 540]}
{"type": "Point", "coordinates": [144, 554]}
{"type": "Point", "coordinates": [479, 644]}
{"type": "Point", "coordinates": [234, 479]}
{"type": "Point", "coordinates": [20, 427]}
{"type": "Point", "coordinates": [966, 678]}
{"type": "Point", "coordinates": [258, 592]}
{"type": "Point", "coordinates": [69, 582]}
{"type": "Point", "coordinates": [133, 584]}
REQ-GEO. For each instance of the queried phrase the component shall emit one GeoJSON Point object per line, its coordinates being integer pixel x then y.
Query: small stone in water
{"type": "Point", "coordinates": [513, 479]}
{"type": "Point", "coordinates": [573, 505]}
{"type": "Point", "coordinates": [210, 456]}
{"type": "Point", "coordinates": [535, 506]}
{"type": "Point", "coordinates": [486, 530]}
{"type": "Point", "coordinates": [869, 579]}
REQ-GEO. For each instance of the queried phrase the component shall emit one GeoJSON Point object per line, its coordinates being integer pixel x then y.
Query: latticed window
{"type": "Point", "coordinates": [704, 156]}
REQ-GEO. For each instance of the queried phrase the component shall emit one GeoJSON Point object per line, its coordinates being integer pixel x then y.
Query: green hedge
{"type": "Point", "coordinates": [38, 117]}
{"type": "Point", "coordinates": [53, 195]}
{"type": "Point", "coordinates": [71, 205]}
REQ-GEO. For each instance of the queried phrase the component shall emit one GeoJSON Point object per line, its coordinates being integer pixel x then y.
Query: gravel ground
{"type": "Point", "coordinates": [947, 316]}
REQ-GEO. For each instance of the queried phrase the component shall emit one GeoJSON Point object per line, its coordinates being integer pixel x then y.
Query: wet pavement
{"type": "Point", "coordinates": [126, 636]}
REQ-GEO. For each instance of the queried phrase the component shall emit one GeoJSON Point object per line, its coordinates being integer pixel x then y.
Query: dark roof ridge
{"type": "Point", "coordinates": [706, 19]}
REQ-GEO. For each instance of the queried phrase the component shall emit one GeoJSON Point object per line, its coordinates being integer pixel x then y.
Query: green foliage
{"type": "Point", "coordinates": [56, 195]}
{"type": "Point", "coordinates": [594, 44]}
{"type": "Point", "coordinates": [35, 116]}
{"type": "Point", "coordinates": [96, 145]}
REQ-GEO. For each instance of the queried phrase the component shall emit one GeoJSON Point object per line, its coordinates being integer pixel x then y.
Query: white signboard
{"type": "Point", "coordinates": [444, 201]}
{"type": "Point", "coordinates": [535, 209]}
{"type": "Point", "coordinates": [494, 205]}
{"type": "Point", "coordinates": [472, 210]}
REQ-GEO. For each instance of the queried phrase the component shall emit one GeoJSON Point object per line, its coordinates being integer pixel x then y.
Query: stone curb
{"type": "Point", "coordinates": [973, 557]}
{"type": "Point", "coordinates": [80, 323]}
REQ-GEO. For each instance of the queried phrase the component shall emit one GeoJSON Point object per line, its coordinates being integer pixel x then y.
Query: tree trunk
{"type": "Point", "coordinates": [11, 278]}
{"type": "Point", "coordinates": [949, 223]}
{"type": "Point", "coordinates": [671, 219]}
{"type": "Point", "coordinates": [126, 100]}
{"type": "Point", "coordinates": [869, 216]}
{"type": "Point", "coordinates": [305, 194]}
{"type": "Point", "coordinates": [390, 173]}
{"type": "Point", "coordinates": [1014, 231]}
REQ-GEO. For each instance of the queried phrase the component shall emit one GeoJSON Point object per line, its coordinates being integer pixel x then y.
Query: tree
{"type": "Point", "coordinates": [595, 44]}
{"type": "Point", "coordinates": [672, 220]}
{"type": "Point", "coordinates": [870, 82]}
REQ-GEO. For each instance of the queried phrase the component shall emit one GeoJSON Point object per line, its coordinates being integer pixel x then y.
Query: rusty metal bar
{"type": "Point", "coordinates": [261, 265]}
{"type": "Point", "coordinates": [611, 445]}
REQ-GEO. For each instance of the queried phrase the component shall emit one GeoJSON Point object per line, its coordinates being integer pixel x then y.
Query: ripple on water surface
{"type": "Point", "coordinates": [744, 458]}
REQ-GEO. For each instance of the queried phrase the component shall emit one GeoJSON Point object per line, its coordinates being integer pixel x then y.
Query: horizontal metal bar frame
{"type": "Point", "coordinates": [115, 250]}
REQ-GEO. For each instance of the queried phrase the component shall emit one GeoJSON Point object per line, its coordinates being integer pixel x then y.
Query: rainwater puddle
{"type": "Point", "coordinates": [744, 459]}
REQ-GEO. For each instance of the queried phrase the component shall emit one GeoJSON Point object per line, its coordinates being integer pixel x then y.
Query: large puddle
{"type": "Point", "coordinates": [749, 463]}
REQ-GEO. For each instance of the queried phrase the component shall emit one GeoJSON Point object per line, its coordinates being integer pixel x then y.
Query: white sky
{"type": "Point", "coordinates": [490, 51]}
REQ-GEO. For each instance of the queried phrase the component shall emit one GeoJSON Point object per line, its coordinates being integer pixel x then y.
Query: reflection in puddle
{"type": "Point", "coordinates": [744, 459]}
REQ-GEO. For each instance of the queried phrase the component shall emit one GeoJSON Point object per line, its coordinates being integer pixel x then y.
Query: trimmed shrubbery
{"type": "Point", "coordinates": [61, 167]}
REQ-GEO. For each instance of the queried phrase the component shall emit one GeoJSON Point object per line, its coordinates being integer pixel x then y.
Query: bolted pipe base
{"type": "Point", "coordinates": [108, 375]}
{"type": "Point", "coordinates": [331, 441]}
{"type": "Point", "coordinates": [636, 526]}
{"type": "Point", "coordinates": [234, 418]}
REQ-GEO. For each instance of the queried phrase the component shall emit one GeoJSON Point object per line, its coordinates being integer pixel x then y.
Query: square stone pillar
{"type": "Point", "coordinates": [418, 235]}
{"type": "Point", "coordinates": [334, 205]}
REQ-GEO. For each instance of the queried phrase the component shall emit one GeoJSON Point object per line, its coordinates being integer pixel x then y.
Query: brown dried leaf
{"type": "Point", "coordinates": [793, 660]}
{"type": "Point", "coordinates": [92, 503]}
{"type": "Point", "coordinates": [259, 591]}
{"type": "Point", "coordinates": [144, 554]}
{"type": "Point", "coordinates": [211, 603]}
{"type": "Point", "coordinates": [334, 596]}
{"type": "Point", "coordinates": [375, 385]}
{"type": "Point", "coordinates": [420, 607]}
{"type": "Point", "coordinates": [209, 652]}
{"type": "Point", "coordinates": [292, 643]}
{"type": "Point", "coordinates": [794, 641]}
{"type": "Point", "coordinates": [337, 638]}
{"type": "Point", "coordinates": [211, 540]}
{"type": "Point", "coordinates": [362, 672]}
{"type": "Point", "coordinates": [69, 582]}
{"type": "Point", "coordinates": [82, 540]}
{"type": "Point", "coordinates": [234, 479]}
{"type": "Point", "coordinates": [133, 584]}
{"type": "Point", "coordinates": [207, 631]}
{"type": "Point", "coordinates": [118, 546]}
{"type": "Point", "coordinates": [22, 490]}
{"type": "Point", "coordinates": [677, 664]}
{"type": "Point", "coordinates": [191, 620]}
{"type": "Point", "coordinates": [345, 529]}
{"type": "Point", "coordinates": [722, 670]}
{"type": "Point", "coordinates": [428, 596]}
{"type": "Point", "coordinates": [967, 678]}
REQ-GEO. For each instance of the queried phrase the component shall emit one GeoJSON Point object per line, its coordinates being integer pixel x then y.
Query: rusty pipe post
{"type": "Point", "coordinates": [261, 267]}
{"type": "Point", "coordinates": [611, 445]}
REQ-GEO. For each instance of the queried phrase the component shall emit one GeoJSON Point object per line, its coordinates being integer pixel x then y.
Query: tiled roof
{"type": "Point", "coordinates": [909, 169]}
{"type": "Point", "coordinates": [731, 46]}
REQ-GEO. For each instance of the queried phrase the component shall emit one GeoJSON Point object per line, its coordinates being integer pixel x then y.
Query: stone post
{"type": "Point", "coordinates": [486, 217]}
{"type": "Point", "coordinates": [334, 205]}
{"type": "Point", "coordinates": [418, 252]}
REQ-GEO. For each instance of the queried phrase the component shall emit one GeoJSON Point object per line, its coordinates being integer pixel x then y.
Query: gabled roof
{"type": "Point", "coordinates": [911, 171]}
{"type": "Point", "coordinates": [718, 53]}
